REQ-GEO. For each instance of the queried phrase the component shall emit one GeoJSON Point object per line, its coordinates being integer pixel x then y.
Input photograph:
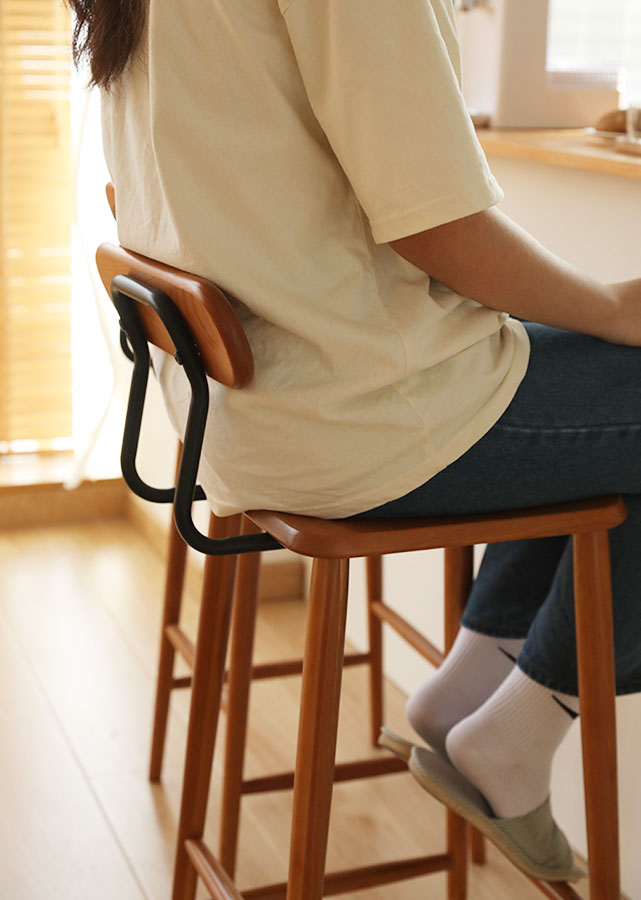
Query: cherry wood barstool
{"type": "Point", "coordinates": [191, 317]}
{"type": "Point", "coordinates": [241, 672]}
{"type": "Point", "coordinates": [173, 639]}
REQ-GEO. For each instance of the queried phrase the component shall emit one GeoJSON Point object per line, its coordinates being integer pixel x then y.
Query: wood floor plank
{"type": "Point", "coordinates": [54, 839]}
{"type": "Point", "coordinates": [101, 692]}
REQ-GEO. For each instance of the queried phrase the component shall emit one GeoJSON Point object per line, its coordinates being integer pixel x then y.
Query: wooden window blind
{"type": "Point", "coordinates": [36, 199]}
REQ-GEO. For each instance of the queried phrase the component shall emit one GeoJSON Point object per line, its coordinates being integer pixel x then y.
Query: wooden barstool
{"type": "Point", "coordinates": [174, 640]}
{"type": "Point", "coordinates": [198, 323]}
{"type": "Point", "coordinates": [240, 674]}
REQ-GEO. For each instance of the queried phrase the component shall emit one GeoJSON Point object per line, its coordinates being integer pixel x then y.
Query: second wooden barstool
{"type": "Point", "coordinates": [241, 672]}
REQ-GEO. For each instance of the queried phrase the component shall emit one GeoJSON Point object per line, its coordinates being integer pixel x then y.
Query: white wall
{"type": "Point", "coordinates": [592, 221]}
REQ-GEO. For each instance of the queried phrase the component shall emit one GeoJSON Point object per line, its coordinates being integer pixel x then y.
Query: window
{"type": "Point", "coordinates": [598, 35]}
{"type": "Point", "coordinates": [35, 235]}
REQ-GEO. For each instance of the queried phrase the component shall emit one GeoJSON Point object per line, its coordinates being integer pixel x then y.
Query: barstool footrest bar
{"type": "Point", "coordinates": [368, 876]}
{"type": "Point", "coordinates": [214, 877]}
{"type": "Point", "coordinates": [295, 666]}
{"type": "Point", "coordinates": [181, 643]}
{"type": "Point", "coordinates": [413, 637]}
{"type": "Point", "coordinates": [556, 890]}
{"type": "Point", "coordinates": [366, 768]}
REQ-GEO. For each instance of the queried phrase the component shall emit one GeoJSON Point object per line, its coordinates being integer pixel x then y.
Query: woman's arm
{"type": "Point", "coordinates": [490, 259]}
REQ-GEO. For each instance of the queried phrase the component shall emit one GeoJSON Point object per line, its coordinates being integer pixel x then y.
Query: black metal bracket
{"type": "Point", "coordinates": [126, 292]}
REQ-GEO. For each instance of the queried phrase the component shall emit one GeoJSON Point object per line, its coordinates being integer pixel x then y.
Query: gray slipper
{"type": "Point", "coordinates": [399, 746]}
{"type": "Point", "coordinates": [533, 842]}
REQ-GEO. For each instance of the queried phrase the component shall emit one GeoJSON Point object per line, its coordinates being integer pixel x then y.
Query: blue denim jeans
{"type": "Point", "coordinates": [572, 431]}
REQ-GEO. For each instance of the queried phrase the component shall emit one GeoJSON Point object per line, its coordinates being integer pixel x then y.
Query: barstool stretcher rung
{"type": "Point", "coordinates": [181, 643]}
{"type": "Point", "coordinates": [367, 876]}
{"type": "Point", "coordinates": [214, 877]}
{"type": "Point", "coordinates": [348, 771]}
{"type": "Point", "coordinates": [273, 670]}
{"type": "Point", "coordinates": [560, 890]}
{"type": "Point", "coordinates": [295, 666]}
{"type": "Point", "coordinates": [413, 637]}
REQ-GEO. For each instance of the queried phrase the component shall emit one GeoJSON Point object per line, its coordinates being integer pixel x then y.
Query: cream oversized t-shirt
{"type": "Point", "coordinates": [275, 147]}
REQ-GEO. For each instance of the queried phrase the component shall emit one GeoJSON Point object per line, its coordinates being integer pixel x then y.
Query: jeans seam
{"type": "Point", "coordinates": [573, 430]}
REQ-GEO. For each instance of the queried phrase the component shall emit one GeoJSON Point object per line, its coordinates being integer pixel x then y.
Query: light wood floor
{"type": "Point", "coordinates": [79, 617]}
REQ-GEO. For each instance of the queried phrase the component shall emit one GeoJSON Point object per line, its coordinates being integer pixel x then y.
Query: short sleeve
{"type": "Point", "coordinates": [382, 79]}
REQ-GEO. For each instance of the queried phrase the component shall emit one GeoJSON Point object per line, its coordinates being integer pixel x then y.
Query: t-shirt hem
{"type": "Point", "coordinates": [496, 405]}
{"type": "Point", "coordinates": [477, 428]}
{"type": "Point", "coordinates": [434, 461]}
{"type": "Point", "coordinates": [397, 488]}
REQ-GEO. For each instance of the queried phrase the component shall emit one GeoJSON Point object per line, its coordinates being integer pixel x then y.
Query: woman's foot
{"type": "Point", "coordinates": [473, 669]}
{"type": "Point", "coordinates": [505, 748]}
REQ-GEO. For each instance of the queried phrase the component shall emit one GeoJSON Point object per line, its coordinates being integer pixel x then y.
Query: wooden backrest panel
{"type": "Point", "coordinates": [111, 197]}
{"type": "Point", "coordinates": [221, 340]}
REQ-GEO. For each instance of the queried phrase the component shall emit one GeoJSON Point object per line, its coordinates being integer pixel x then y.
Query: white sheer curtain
{"type": "Point", "coordinates": [100, 371]}
{"type": "Point", "coordinates": [598, 34]}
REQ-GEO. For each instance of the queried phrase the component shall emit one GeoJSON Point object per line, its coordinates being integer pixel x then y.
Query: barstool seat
{"type": "Point", "coordinates": [335, 539]}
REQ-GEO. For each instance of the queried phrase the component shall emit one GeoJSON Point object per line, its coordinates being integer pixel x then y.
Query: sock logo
{"type": "Point", "coordinates": [509, 655]}
{"type": "Point", "coordinates": [570, 712]}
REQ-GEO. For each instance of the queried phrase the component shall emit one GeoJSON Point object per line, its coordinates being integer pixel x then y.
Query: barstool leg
{"type": "Point", "coordinates": [317, 729]}
{"type": "Point", "coordinates": [374, 570]}
{"type": "Point", "coordinates": [174, 582]}
{"type": "Point", "coordinates": [594, 633]}
{"type": "Point", "coordinates": [207, 685]}
{"type": "Point", "coordinates": [239, 683]}
{"type": "Point", "coordinates": [459, 567]}
{"type": "Point", "coordinates": [477, 847]}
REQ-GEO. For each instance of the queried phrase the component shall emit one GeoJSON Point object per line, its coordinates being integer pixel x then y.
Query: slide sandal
{"type": "Point", "coordinates": [399, 746]}
{"type": "Point", "coordinates": [533, 842]}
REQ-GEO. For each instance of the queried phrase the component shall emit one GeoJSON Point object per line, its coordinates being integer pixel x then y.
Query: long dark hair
{"type": "Point", "coordinates": [107, 33]}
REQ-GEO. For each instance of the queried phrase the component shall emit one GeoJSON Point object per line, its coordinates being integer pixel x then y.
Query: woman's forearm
{"type": "Point", "coordinates": [490, 259]}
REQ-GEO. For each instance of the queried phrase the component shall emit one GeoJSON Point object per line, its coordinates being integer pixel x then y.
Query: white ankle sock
{"type": "Point", "coordinates": [506, 747]}
{"type": "Point", "coordinates": [471, 671]}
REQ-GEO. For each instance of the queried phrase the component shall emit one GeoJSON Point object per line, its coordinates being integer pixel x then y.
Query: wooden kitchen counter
{"type": "Point", "coordinates": [569, 148]}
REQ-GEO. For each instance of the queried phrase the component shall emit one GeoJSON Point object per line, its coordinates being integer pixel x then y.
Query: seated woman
{"type": "Point", "coordinates": [417, 353]}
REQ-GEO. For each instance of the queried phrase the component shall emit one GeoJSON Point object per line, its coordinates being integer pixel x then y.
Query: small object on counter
{"type": "Point", "coordinates": [602, 138]}
{"type": "Point", "coordinates": [619, 130]}
{"type": "Point", "coordinates": [617, 120]}
{"type": "Point", "coordinates": [613, 121]}
{"type": "Point", "coordinates": [627, 145]}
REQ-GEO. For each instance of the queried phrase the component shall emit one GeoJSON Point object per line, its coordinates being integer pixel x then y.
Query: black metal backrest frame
{"type": "Point", "coordinates": [126, 292]}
